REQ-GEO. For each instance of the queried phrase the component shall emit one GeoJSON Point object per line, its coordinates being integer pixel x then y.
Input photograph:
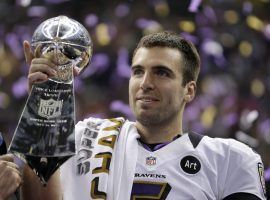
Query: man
{"type": "Point", "coordinates": [151, 158]}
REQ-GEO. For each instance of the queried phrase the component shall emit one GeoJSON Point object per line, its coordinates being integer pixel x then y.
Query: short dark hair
{"type": "Point", "coordinates": [191, 58]}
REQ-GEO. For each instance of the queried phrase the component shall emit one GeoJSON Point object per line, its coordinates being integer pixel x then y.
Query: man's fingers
{"type": "Point", "coordinates": [7, 157]}
{"type": "Point", "coordinates": [9, 165]}
{"type": "Point", "coordinates": [43, 65]}
{"type": "Point", "coordinates": [8, 160]}
{"type": "Point", "coordinates": [10, 178]}
{"type": "Point", "coordinates": [75, 71]}
{"type": "Point", "coordinates": [28, 54]}
{"type": "Point", "coordinates": [37, 77]}
{"type": "Point", "coordinates": [38, 51]}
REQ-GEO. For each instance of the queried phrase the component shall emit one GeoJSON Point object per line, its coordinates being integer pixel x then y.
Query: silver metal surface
{"type": "Point", "coordinates": [65, 42]}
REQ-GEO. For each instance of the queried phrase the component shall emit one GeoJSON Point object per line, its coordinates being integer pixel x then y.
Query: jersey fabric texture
{"type": "Point", "coordinates": [192, 167]}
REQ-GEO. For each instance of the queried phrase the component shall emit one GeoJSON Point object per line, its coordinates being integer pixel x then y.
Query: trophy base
{"type": "Point", "coordinates": [44, 167]}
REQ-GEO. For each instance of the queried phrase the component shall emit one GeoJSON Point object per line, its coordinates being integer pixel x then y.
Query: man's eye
{"type": "Point", "coordinates": [137, 72]}
{"type": "Point", "coordinates": [162, 73]}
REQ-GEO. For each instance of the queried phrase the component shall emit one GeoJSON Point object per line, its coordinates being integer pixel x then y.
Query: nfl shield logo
{"type": "Point", "coordinates": [50, 108]}
{"type": "Point", "coordinates": [151, 161]}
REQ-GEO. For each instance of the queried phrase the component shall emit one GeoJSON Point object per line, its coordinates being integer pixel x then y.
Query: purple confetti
{"type": "Point", "coordinates": [122, 10]}
{"type": "Point", "coordinates": [23, 3]}
{"type": "Point", "coordinates": [230, 119]}
{"type": "Point", "coordinates": [207, 33]}
{"type": "Point", "coordinates": [192, 112]}
{"type": "Point", "coordinates": [13, 42]}
{"type": "Point", "coordinates": [193, 6]}
{"type": "Point", "coordinates": [143, 23]}
{"type": "Point", "coordinates": [220, 61]}
{"type": "Point", "coordinates": [19, 88]}
{"type": "Point", "coordinates": [267, 174]}
{"type": "Point", "coordinates": [112, 30]}
{"type": "Point", "coordinates": [99, 64]}
{"type": "Point", "coordinates": [247, 7]}
{"type": "Point", "coordinates": [204, 100]}
{"type": "Point", "coordinates": [123, 68]}
{"type": "Point", "coordinates": [120, 106]}
{"type": "Point", "coordinates": [37, 11]}
{"type": "Point", "coordinates": [266, 31]}
{"type": "Point", "coordinates": [264, 128]}
{"type": "Point", "coordinates": [91, 20]}
{"type": "Point", "coordinates": [24, 68]}
{"type": "Point", "coordinates": [200, 20]}
{"type": "Point", "coordinates": [210, 15]}
{"type": "Point", "coordinates": [212, 48]}
{"type": "Point", "coordinates": [190, 37]}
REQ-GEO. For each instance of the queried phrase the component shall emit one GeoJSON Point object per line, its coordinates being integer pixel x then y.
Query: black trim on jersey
{"type": "Point", "coordinates": [195, 138]}
{"type": "Point", "coordinates": [242, 196]}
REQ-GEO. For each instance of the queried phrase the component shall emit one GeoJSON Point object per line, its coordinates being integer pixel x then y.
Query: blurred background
{"type": "Point", "coordinates": [232, 36]}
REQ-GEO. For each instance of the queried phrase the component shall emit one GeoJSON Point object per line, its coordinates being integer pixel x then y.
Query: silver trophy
{"type": "Point", "coordinates": [44, 137]}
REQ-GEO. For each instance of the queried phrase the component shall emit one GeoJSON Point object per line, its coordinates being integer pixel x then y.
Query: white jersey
{"type": "Point", "coordinates": [204, 169]}
{"type": "Point", "coordinates": [191, 167]}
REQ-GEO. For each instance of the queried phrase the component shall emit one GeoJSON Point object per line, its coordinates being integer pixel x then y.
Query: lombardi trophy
{"type": "Point", "coordinates": [44, 137]}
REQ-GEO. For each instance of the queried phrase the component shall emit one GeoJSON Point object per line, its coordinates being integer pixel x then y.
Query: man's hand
{"type": "Point", "coordinates": [40, 68]}
{"type": "Point", "coordinates": [10, 176]}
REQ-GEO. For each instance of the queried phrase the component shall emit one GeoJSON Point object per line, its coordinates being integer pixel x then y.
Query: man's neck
{"type": "Point", "coordinates": [158, 133]}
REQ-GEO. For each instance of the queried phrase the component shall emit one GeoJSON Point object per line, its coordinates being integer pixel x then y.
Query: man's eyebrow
{"type": "Point", "coordinates": [163, 67]}
{"type": "Point", "coordinates": [136, 67]}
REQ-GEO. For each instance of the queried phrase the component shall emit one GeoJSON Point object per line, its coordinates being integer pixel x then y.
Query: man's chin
{"type": "Point", "coordinates": [148, 119]}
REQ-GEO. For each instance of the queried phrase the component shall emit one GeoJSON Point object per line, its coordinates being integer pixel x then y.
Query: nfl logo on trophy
{"type": "Point", "coordinates": [50, 108]}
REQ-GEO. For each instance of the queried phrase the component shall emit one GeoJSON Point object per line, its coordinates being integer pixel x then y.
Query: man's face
{"type": "Point", "coordinates": [156, 94]}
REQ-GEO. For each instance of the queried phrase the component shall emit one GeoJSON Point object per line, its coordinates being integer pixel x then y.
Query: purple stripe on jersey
{"type": "Point", "coordinates": [142, 189]}
{"type": "Point", "coordinates": [154, 147]}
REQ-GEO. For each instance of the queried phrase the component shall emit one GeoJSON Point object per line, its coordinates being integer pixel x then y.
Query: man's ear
{"type": "Point", "coordinates": [190, 91]}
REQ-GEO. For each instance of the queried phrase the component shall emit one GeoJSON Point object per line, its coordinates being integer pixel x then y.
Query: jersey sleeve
{"type": "Point", "coordinates": [244, 172]}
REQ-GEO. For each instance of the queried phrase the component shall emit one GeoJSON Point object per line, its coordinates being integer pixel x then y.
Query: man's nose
{"type": "Point", "coordinates": [147, 82]}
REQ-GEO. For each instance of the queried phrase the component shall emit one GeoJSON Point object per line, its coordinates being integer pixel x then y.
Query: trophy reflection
{"type": "Point", "coordinates": [44, 137]}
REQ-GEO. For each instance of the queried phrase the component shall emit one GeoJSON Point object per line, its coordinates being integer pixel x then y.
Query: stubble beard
{"type": "Point", "coordinates": [158, 118]}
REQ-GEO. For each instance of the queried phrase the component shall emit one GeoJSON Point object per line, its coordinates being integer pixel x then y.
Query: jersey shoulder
{"type": "Point", "coordinates": [239, 167]}
{"type": "Point", "coordinates": [228, 147]}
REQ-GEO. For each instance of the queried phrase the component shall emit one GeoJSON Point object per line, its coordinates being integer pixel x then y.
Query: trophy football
{"type": "Point", "coordinates": [44, 137]}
